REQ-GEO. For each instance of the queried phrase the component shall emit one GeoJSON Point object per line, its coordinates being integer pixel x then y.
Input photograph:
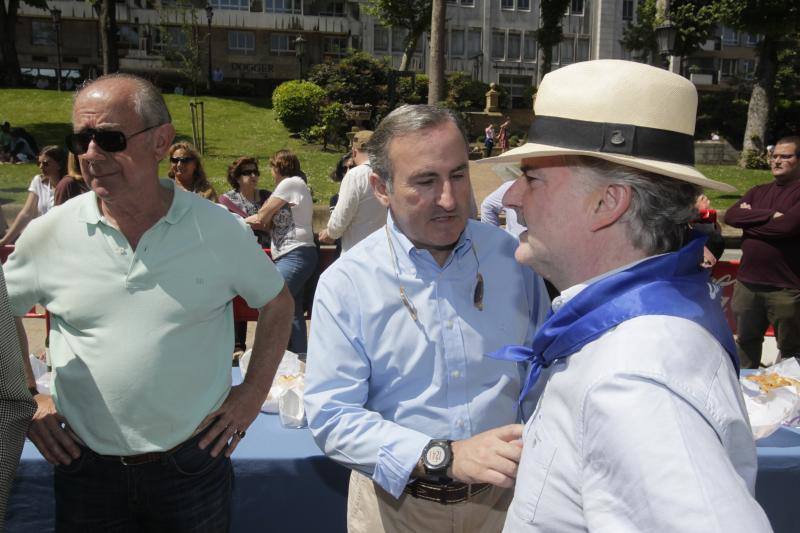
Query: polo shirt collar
{"type": "Point", "coordinates": [89, 211]}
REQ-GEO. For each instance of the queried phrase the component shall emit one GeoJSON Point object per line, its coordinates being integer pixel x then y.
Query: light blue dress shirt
{"type": "Point", "coordinates": [379, 385]}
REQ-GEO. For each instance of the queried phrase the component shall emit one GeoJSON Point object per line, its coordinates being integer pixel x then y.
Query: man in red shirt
{"type": "Point", "coordinates": [767, 289]}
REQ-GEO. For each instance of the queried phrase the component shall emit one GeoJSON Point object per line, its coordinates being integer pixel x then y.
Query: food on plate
{"type": "Point", "coordinates": [767, 382]}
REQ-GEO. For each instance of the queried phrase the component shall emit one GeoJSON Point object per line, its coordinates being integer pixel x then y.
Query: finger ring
{"type": "Point", "coordinates": [241, 434]}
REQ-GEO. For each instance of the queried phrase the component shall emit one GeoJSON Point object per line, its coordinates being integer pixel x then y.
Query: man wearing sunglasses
{"type": "Point", "coordinates": [143, 419]}
{"type": "Point", "coordinates": [398, 386]}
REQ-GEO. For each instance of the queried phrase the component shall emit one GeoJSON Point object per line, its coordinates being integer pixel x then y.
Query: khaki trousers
{"type": "Point", "coordinates": [370, 509]}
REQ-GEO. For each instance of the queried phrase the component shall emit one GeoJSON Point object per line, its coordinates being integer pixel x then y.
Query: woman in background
{"type": "Point", "coordinates": [72, 184]}
{"type": "Point", "coordinates": [288, 216]}
{"type": "Point", "coordinates": [53, 165]}
{"type": "Point", "coordinates": [245, 199]}
{"type": "Point", "coordinates": [187, 171]}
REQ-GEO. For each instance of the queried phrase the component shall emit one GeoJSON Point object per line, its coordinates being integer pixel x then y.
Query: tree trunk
{"type": "Point", "coordinates": [544, 62]}
{"type": "Point", "coordinates": [408, 50]}
{"type": "Point", "coordinates": [9, 69]}
{"type": "Point", "coordinates": [108, 36]}
{"type": "Point", "coordinates": [436, 72]}
{"type": "Point", "coordinates": [761, 100]}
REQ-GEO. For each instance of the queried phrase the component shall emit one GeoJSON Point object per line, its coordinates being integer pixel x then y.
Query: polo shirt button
{"type": "Point", "coordinates": [449, 324]}
{"type": "Point", "coordinates": [459, 423]}
{"type": "Point", "coordinates": [455, 374]}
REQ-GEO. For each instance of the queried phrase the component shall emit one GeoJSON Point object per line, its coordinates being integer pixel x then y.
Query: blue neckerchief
{"type": "Point", "coordinates": [672, 284]}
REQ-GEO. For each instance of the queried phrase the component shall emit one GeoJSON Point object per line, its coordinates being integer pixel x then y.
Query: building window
{"type": "Point", "coordinates": [518, 87]}
{"type": "Point", "coordinates": [747, 68]}
{"type": "Point", "coordinates": [752, 40]}
{"type": "Point", "coordinates": [729, 67]}
{"type": "Point", "coordinates": [730, 36]}
{"type": "Point", "coordinates": [334, 45]}
{"type": "Point", "coordinates": [474, 42]}
{"type": "Point", "coordinates": [380, 39]}
{"type": "Point", "coordinates": [467, 2]}
{"type": "Point", "coordinates": [582, 50]}
{"type": "Point", "coordinates": [281, 44]}
{"type": "Point", "coordinates": [332, 9]}
{"type": "Point", "coordinates": [530, 46]}
{"type": "Point", "coordinates": [576, 7]}
{"type": "Point", "coordinates": [524, 5]}
{"type": "Point", "coordinates": [456, 43]}
{"type": "Point", "coordinates": [514, 44]}
{"type": "Point", "coordinates": [233, 5]}
{"type": "Point", "coordinates": [627, 10]}
{"type": "Point", "coordinates": [554, 59]}
{"type": "Point", "coordinates": [43, 33]}
{"type": "Point", "coordinates": [241, 41]}
{"type": "Point", "coordinates": [506, 4]}
{"type": "Point", "coordinates": [282, 6]}
{"type": "Point", "coordinates": [452, 2]}
{"type": "Point", "coordinates": [498, 44]}
{"type": "Point", "coordinates": [567, 50]}
{"type": "Point", "coordinates": [398, 39]}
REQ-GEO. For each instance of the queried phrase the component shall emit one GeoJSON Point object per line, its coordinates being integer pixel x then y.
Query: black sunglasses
{"type": "Point", "coordinates": [108, 140]}
{"type": "Point", "coordinates": [249, 172]}
{"type": "Point", "coordinates": [184, 160]}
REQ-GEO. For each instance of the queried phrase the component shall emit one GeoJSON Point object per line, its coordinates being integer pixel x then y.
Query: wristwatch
{"type": "Point", "coordinates": [437, 457]}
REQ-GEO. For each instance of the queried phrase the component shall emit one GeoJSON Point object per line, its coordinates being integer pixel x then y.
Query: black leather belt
{"type": "Point", "coordinates": [444, 492]}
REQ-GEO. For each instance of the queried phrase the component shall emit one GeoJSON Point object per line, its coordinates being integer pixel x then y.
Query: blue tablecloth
{"type": "Point", "coordinates": [282, 483]}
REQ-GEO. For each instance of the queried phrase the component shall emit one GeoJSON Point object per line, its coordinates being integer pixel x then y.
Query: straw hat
{"type": "Point", "coordinates": [621, 111]}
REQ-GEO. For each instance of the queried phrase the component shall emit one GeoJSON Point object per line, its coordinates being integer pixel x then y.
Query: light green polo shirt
{"type": "Point", "coordinates": [140, 342]}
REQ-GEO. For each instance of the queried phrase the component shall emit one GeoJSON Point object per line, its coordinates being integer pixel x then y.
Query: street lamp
{"type": "Point", "coordinates": [300, 52]}
{"type": "Point", "coordinates": [56, 14]}
{"type": "Point", "coordinates": [209, 17]}
{"type": "Point", "coordinates": [666, 35]}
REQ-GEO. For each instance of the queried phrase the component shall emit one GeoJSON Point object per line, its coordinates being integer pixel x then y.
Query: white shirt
{"type": "Point", "coordinates": [643, 429]}
{"type": "Point", "coordinates": [44, 193]}
{"type": "Point", "coordinates": [357, 213]}
{"type": "Point", "coordinates": [291, 225]}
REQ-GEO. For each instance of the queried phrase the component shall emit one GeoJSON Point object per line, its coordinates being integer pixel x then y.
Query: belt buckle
{"type": "Point", "coordinates": [122, 460]}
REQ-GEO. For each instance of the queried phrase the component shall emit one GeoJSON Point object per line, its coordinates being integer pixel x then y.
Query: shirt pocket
{"type": "Point", "coordinates": [534, 468]}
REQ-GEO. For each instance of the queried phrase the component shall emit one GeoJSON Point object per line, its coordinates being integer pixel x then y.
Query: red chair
{"type": "Point", "coordinates": [724, 274]}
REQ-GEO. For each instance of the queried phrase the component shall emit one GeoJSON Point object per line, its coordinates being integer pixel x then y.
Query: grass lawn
{"type": "Point", "coordinates": [234, 127]}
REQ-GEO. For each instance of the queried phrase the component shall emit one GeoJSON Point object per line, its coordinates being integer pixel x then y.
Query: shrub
{"type": "Point", "coordinates": [334, 123]}
{"type": "Point", "coordinates": [755, 159]}
{"type": "Point", "coordinates": [297, 104]}
{"type": "Point", "coordinates": [358, 78]}
{"type": "Point", "coordinates": [464, 93]}
{"type": "Point", "coordinates": [413, 91]}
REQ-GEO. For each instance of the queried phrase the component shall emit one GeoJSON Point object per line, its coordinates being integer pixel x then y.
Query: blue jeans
{"type": "Point", "coordinates": [186, 491]}
{"type": "Point", "coordinates": [297, 267]}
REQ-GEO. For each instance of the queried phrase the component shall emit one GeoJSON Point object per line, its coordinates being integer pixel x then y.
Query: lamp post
{"type": "Point", "coordinates": [209, 17]}
{"type": "Point", "coordinates": [300, 52]}
{"type": "Point", "coordinates": [666, 35]}
{"type": "Point", "coordinates": [56, 14]}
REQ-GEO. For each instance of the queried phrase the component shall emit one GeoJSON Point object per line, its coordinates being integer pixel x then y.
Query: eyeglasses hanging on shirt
{"type": "Point", "coordinates": [477, 294]}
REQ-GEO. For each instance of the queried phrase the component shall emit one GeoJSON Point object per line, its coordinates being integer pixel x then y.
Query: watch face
{"type": "Point", "coordinates": [435, 456]}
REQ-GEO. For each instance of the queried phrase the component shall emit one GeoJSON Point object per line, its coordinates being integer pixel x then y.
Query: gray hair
{"type": "Point", "coordinates": [661, 207]}
{"type": "Point", "coordinates": [148, 103]}
{"type": "Point", "coordinates": [405, 120]}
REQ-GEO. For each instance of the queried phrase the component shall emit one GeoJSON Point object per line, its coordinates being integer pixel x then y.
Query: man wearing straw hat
{"type": "Point", "coordinates": [641, 424]}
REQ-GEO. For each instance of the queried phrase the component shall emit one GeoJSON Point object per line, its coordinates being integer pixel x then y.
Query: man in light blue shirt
{"type": "Point", "coordinates": [398, 387]}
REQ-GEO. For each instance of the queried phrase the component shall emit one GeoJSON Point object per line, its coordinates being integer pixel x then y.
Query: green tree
{"type": "Point", "coordinates": [640, 37]}
{"type": "Point", "coordinates": [776, 21]}
{"type": "Point", "coordinates": [412, 15]}
{"type": "Point", "coordinates": [297, 104]}
{"type": "Point", "coordinates": [182, 43]}
{"type": "Point", "coordinates": [9, 67]}
{"type": "Point", "coordinates": [549, 33]}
